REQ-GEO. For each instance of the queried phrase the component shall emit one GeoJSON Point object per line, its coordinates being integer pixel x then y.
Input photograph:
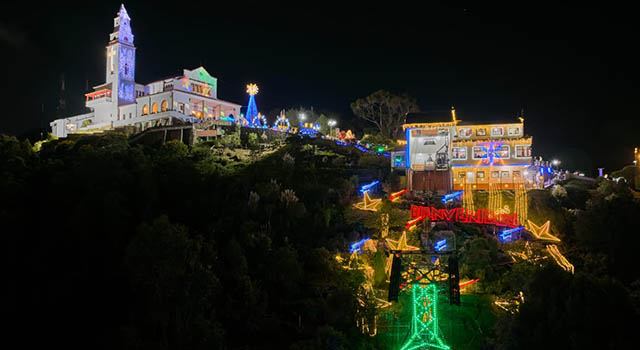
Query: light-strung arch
{"type": "Point", "coordinates": [145, 109]}
{"type": "Point", "coordinates": [154, 108]}
{"type": "Point", "coordinates": [164, 106]}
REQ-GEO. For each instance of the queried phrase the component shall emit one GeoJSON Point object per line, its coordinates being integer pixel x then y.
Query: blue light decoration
{"type": "Point", "coordinates": [506, 235]}
{"type": "Point", "coordinates": [491, 152]}
{"type": "Point", "coordinates": [358, 245]}
{"type": "Point", "coordinates": [541, 171]}
{"type": "Point", "coordinates": [340, 143]}
{"type": "Point", "coordinates": [440, 245]}
{"type": "Point", "coordinates": [308, 129]}
{"type": "Point", "coordinates": [254, 118]}
{"type": "Point", "coordinates": [282, 124]}
{"type": "Point", "coordinates": [549, 170]}
{"type": "Point", "coordinates": [368, 186]}
{"type": "Point", "coordinates": [451, 196]}
{"type": "Point", "coordinates": [407, 152]}
{"type": "Point", "coordinates": [361, 148]}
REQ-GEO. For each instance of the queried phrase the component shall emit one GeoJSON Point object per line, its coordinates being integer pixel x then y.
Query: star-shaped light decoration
{"type": "Point", "coordinates": [400, 244]}
{"type": "Point", "coordinates": [252, 89]}
{"type": "Point", "coordinates": [542, 232]}
{"type": "Point", "coordinates": [368, 203]}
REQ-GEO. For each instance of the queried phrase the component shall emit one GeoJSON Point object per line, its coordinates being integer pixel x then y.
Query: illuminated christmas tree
{"type": "Point", "coordinates": [252, 110]}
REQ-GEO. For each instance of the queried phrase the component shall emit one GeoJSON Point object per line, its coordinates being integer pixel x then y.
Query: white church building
{"type": "Point", "coordinates": [120, 101]}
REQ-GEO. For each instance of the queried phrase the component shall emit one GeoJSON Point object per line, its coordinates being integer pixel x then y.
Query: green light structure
{"type": "Point", "coordinates": [424, 323]}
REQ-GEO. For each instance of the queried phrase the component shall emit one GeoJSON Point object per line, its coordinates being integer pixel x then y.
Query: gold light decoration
{"type": "Point", "coordinates": [252, 89]}
{"type": "Point", "coordinates": [542, 232]}
{"type": "Point", "coordinates": [467, 197]}
{"type": "Point", "coordinates": [368, 203]}
{"type": "Point", "coordinates": [495, 197]}
{"type": "Point", "coordinates": [400, 244]}
{"type": "Point", "coordinates": [384, 232]}
{"type": "Point", "coordinates": [552, 249]}
{"type": "Point", "coordinates": [521, 203]}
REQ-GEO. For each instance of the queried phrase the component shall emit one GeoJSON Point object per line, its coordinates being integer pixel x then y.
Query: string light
{"type": "Point", "coordinates": [542, 232]}
{"type": "Point", "coordinates": [552, 249]}
{"type": "Point", "coordinates": [521, 202]}
{"type": "Point", "coordinates": [425, 333]}
{"type": "Point", "coordinates": [467, 198]}
{"type": "Point", "coordinates": [368, 203]}
{"type": "Point", "coordinates": [384, 223]}
{"type": "Point", "coordinates": [495, 196]}
{"type": "Point", "coordinates": [400, 244]}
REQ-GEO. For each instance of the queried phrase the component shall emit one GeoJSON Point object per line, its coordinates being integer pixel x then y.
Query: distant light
{"type": "Point", "coordinates": [555, 162]}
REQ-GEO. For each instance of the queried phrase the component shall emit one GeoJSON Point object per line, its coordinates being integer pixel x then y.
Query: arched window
{"type": "Point", "coordinates": [154, 108]}
{"type": "Point", "coordinates": [164, 106]}
{"type": "Point", "coordinates": [145, 109]}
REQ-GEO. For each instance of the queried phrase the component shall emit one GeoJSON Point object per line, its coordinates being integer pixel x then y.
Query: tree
{"type": "Point", "coordinates": [324, 124]}
{"type": "Point", "coordinates": [252, 140]}
{"type": "Point", "coordinates": [385, 110]}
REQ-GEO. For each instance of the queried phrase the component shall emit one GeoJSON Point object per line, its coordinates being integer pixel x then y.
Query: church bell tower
{"type": "Point", "coordinates": [121, 60]}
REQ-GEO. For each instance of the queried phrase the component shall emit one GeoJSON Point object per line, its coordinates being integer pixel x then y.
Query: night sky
{"type": "Point", "coordinates": [570, 68]}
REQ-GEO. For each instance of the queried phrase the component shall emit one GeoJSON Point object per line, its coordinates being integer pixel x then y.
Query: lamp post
{"type": "Point", "coordinates": [556, 163]}
{"type": "Point", "coordinates": [331, 123]}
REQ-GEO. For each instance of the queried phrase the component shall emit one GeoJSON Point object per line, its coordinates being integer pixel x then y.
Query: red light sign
{"type": "Point", "coordinates": [481, 216]}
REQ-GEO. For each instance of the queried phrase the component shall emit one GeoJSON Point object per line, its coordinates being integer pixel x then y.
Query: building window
{"type": "Point", "coordinates": [429, 141]}
{"type": "Point", "coordinates": [523, 151]}
{"type": "Point", "coordinates": [481, 132]}
{"type": "Point", "coordinates": [181, 108]}
{"type": "Point", "coordinates": [461, 175]}
{"type": "Point", "coordinates": [516, 174]}
{"type": "Point", "coordinates": [513, 131]}
{"type": "Point", "coordinates": [495, 174]}
{"type": "Point", "coordinates": [478, 152]}
{"type": "Point", "coordinates": [154, 108]}
{"type": "Point", "coordinates": [504, 174]}
{"type": "Point", "coordinates": [459, 152]}
{"type": "Point", "coordinates": [164, 106]}
{"type": "Point", "coordinates": [480, 174]}
{"type": "Point", "coordinates": [129, 115]}
{"type": "Point", "coordinates": [497, 131]}
{"type": "Point", "coordinates": [503, 151]}
{"type": "Point", "coordinates": [464, 132]}
{"type": "Point", "coordinates": [145, 109]}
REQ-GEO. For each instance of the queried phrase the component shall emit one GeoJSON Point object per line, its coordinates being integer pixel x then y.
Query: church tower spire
{"type": "Point", "coordinates": [121, 59]}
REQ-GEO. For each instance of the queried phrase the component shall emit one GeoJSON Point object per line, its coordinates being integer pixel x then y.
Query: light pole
{"type": "Point", "coordinates": [556, 163]}
{"type": "Point", "coordinates": [331, 123]}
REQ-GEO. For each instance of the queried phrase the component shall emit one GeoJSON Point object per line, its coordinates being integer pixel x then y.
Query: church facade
{"type": "Point", "coordinates": [120, 101]}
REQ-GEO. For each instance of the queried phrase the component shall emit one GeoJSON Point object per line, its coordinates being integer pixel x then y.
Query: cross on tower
{"type": "Point", "coordinates": [112, 52]}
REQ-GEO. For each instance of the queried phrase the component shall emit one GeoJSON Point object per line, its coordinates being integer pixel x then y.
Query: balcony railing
{"type": "Point", "coordinates": [96, 95]}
